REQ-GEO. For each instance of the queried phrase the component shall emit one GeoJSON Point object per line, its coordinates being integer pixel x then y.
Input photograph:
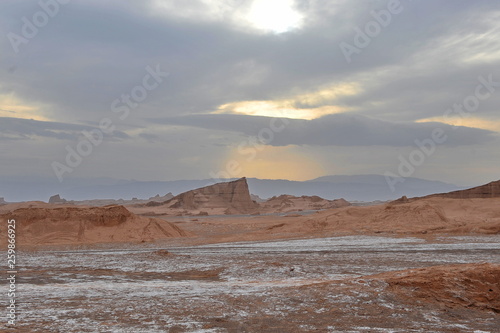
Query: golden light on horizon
{"type": "Point", "coordinates": [276, 109]}
{"type": "Point", "coordinates": [11, 106]}
{"type": "Point", "coordinates": [314, 104]}
{"type": "Point", "coordinates": [327, 94]}
{"type": "Point", "coordinates": [269, 162]}
{"type": "Point", "coordinates": [474, 122]}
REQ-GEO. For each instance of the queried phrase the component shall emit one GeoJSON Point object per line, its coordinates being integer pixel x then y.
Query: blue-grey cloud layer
{"type": "Point", "coordinates": [25, 129]}
{"type": "Point", "coordinates": [93, 52]}
{"type": "Point", "coordinates": [334, 130]}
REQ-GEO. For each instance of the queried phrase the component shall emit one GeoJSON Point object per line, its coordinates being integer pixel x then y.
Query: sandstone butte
{"type": "Point", "coordinates": [232, 198]}
{"type": "Point", "coordinates": [222, 198]}
{"type": "Point", "coordinates": [41, 223]}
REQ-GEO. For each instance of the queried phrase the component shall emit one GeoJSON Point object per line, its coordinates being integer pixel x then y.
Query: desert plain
{"type": "Point", "coordinates": [216, 260]}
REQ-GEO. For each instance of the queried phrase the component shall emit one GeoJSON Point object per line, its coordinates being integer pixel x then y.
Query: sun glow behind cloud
{"type": "Point", "coordinates": [276, 109]}
{"type": "Point", "coordinates": [306, 106]}
{"type": "Point", "coordinates": [276, 16]}
{"type": "Point", "coordinates": [275, 163]}
{"type": "Point", "coordinates": [474, 122]}
{"type": "Point", "coordinates": [11, 106]}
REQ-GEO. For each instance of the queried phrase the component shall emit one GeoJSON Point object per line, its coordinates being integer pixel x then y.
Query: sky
{"type": "Point", "coordinates": [277, 89]}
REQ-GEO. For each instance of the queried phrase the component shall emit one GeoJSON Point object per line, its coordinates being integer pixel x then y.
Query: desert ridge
{"type": "Point", "coordinates": [39, 223]}
{"type": "Point", "coordinates": [426, 218]}
{"type": "Point", "coordinates": [490, 190]}
{"type": "Point", "coordinates": [227, 213]}
{"type": "Point", "coordinates": [56, 199]}
{"type": "Point", "coordinates": [433, 215]}
{"type": "Point", "coordinates": [417, 216]}
{"type": "Point", "coordinates": [289, 203]}
{"type": "Point", "coordinates": [232, 198]}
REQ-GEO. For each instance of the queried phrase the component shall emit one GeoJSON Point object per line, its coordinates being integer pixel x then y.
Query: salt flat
{"type": "Point", "coordinates": [275, 286]}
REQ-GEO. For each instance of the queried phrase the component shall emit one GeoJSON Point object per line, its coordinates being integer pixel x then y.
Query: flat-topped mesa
{"type": "Point", "coordinates": [490, 190]}
{"type": "Point", "coordinates": [226, 198]}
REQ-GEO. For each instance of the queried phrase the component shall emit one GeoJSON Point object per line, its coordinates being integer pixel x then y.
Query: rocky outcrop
{"type": "Point", "coordinates": [56, 199]}
{"type": "Point", "coordinates": [222, 198]}
{"type": "Point", "coordinates": [417, 217]}
{"type": "Point", "coordinates": [256, 198]}
{"type": "Point", "coordinates": [93, 216]}
{"type": "Point", "coordinates": [290, 203]}
{"type": "Point", "coordinates": [471, 286]}
{"type": "Point", "coordinates": [401, 200]}
{"type": "Point", "coordinates": [47, 224]}
{"type": "Point", "coordinates": [491, 190]}
{"type": "Point", "coordinates": [158, 198]}
{"type": "Point", "coordinates": [232, 198]}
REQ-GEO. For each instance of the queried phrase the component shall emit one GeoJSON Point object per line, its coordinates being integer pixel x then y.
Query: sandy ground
{"type": "Point", "coordinates": [42, 224]}
{"type": "Point", "coordinates": [425, 219]}
{"type": "Point", "coordinates": [424, 266]}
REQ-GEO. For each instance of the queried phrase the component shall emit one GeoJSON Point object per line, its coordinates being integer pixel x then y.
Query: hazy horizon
{"type": "Point", "coordinates": [366, 188]}
{"type": "Point", "coordinates": [50, 178]}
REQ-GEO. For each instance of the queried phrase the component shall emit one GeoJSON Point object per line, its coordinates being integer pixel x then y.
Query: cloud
{"type": "Point", "coordinates": [102, 49]}
{"type": "Point", "coordinates": [92, 52]}
{"type": "Point", "coordinates": [151, 138]}
{"type": "Point", "coordinates": [333, 130]}
{"type": "Point", "coordinates": [25, 129]}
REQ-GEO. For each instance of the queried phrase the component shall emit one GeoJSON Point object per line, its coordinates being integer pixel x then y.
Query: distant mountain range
{"type": "Point", "coordinates": [351, 188]}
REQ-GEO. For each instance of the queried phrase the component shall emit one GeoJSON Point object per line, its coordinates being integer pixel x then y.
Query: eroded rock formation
{"type": "Point", "coordinates": [56, 199]}
{"type": "Point", "coordinates": [464, 285]}
{"type": "Point", "coordinates": [222, 198]}
{"type": "Point", "coordinates": [490, 190]}
{"type": "Point", "coordinates": [39, 223]}
{"type": "Point", "coordinates": [290, 203]}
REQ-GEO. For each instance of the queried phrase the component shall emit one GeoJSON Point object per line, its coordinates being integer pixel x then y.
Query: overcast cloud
{"type": "Point", "coordinates": [233, 66]}
{"type": "Point", "coordinates": [334, 130]}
